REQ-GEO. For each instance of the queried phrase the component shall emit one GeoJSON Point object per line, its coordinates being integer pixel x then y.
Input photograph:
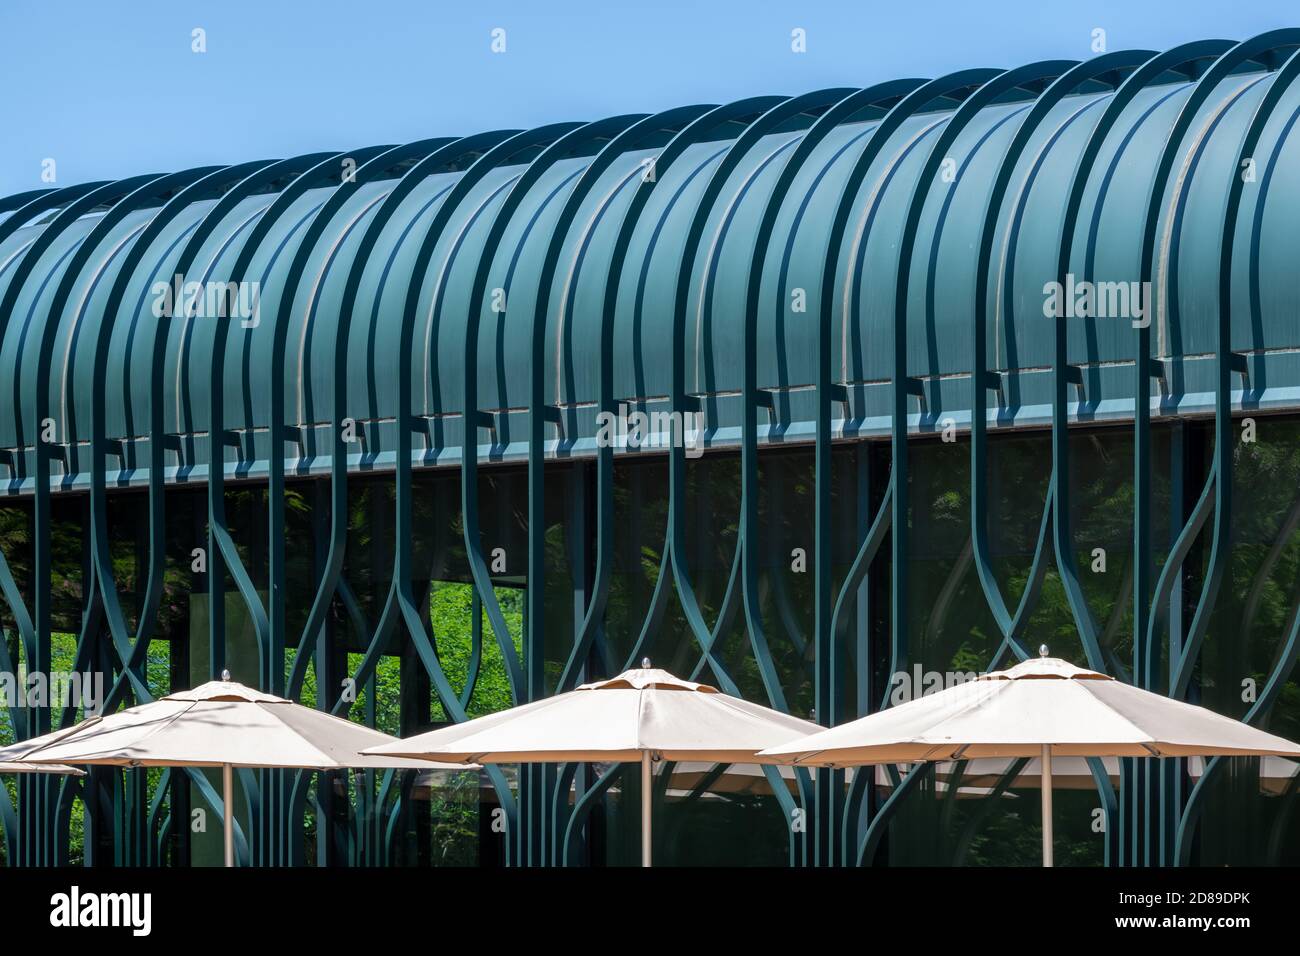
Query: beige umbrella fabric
{"type": "Point", "coordinates": [742, 778]}
{"type": "Point", "coordinates": [1074, 773]}
{"type": "Point", "coordinates": [15, 767]}
{"type": "Point", "coordinates": [218, 724]}
{"type": "Point", "coordinates": [11, 757]}
{"type": "Point", "coordinates": [749, 779]}
{"type": "Point", "coordinates": [1068, 773]}
{"type": "Point", "coordinates": [1039, 708]}
{"type": "Point", "coordinates": [643, 714]}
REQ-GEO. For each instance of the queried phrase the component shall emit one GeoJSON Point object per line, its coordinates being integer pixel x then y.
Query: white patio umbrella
{"type": "Point", "coordinates": [1068, 773]}
{"type": "Point", "coordinates": [644, 714]}
{"type": "Point", "coordinates": [1074, 773]}
{"type": "Point", "coordinates": [11, 757]}
{"type": "Point", "coordinates": [13, 766]}
{"type": "Point", "coordinates": [218, 724]}
{"type": "Point", "coordinates": [1039, 708]}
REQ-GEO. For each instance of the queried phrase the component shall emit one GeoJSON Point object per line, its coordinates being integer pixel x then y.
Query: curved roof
{"type": "Point", "coordinates": [789, 211]}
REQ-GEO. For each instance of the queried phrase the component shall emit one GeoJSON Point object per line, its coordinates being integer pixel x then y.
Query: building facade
{"type": "Point", "coordinates": [828, 400]}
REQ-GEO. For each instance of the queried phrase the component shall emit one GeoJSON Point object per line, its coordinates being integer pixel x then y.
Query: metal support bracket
{"type": "Point", "coordinates": [1074, 376]}
{"type": "Point", "coordinates": [236, 440]}
{"type": "Point", "coordinates": [488, 422]}
{"type": "Point", "coordinates": [554, 415]}
{"type": "Point", "coordinates": [1240, 363]}
{"type": "Point", "coordinates": [840, 395]}
{"type": "Point", "coordinates": [916, 386]}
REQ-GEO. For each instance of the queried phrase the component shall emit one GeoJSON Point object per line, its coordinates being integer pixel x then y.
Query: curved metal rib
{"type": "Point", "coordinates": [1103, 73]}
{"type": "Point", "coordinates": [1259, 49]}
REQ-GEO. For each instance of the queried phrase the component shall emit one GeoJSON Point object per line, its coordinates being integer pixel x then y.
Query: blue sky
{"type": "Point", "coordinates": [109, 88]}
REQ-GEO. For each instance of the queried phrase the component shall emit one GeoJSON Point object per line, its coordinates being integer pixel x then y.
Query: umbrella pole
{"type": "Point", "coordinates": [647, 780]}
{"type": "Point", "coordinates": [228, 809]}
{"type": "Point", "coordinates": [1046, 782]}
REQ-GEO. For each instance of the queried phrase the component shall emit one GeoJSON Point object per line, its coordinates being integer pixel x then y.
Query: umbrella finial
{"type": "Point", "coordinates": [645, 663]}
{"type": "Point", "coordinates": [225, 674]}
{"type": "Point", "coordinates": [1042, 650]}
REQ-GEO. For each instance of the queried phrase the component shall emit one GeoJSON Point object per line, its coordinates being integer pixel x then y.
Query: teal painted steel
{"type": "Point", "coordinates": [945, 367]}
{"type": "Point", "coordinates": [520, 286]}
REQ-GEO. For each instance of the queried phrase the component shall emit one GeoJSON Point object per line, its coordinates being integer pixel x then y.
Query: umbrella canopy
{"type": "Point", "coordinates": [15, 767]}
{"type": "Point", "coordinates": [747, 779]}
{"type": "Point", "coordinates": [1073, 773]}
{"type": "Point", "coordinates": [218, 724]}
{"type": "Point", "coordinates": [644, 710]}
{"type": "Point", "coordinates": [215, 724]}
{"type": "Point", "coordinates": [11, 757]}
{"type": "Point", "coordinates": [742, 778]}
{"type": "Point", "coordinates": [1015, 713]}
{"type": "Point", "coordinates": [1044, 708]}
{"type": "Point", "coordinates": [644, 714]}
{"type": "Point", "coordinates": [1068, 773]}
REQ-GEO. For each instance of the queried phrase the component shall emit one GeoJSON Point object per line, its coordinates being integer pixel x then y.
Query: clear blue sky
{"type": "Point", "coordinates": [109, 88]}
